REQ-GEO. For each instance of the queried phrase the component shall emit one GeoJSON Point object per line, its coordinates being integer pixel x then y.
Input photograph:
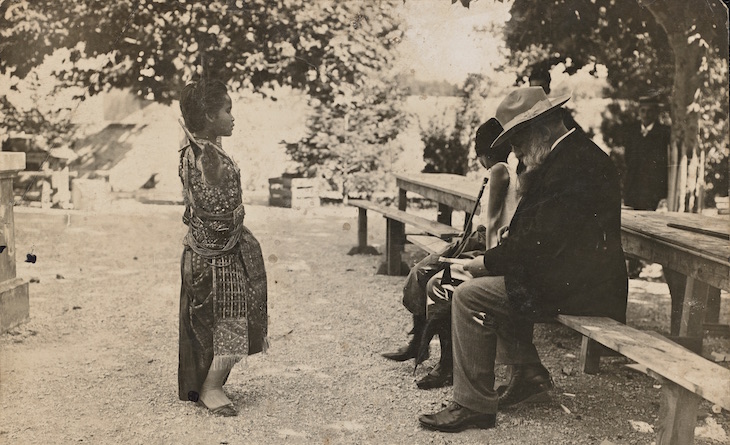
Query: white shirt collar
{"type": "Point", "coordinates": [647, 128]}
{"type": "Point", "coordinates": [555, 144]}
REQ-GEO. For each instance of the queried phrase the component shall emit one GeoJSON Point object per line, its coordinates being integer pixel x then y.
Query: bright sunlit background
{"type": "Point", "coordinates": [445, 41]}
{"type": "Point", "coordinates": [442, 42]}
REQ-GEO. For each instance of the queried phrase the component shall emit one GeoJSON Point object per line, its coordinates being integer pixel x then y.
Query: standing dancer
{"type": "Point", "coordinates": [223, 309]}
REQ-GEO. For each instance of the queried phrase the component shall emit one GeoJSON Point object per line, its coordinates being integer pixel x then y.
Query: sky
{"type": "Point", "coordinates": [440, 42]}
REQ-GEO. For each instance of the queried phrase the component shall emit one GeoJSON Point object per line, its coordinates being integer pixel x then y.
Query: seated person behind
{"type": "Point", "coordinates": [500, 205]}
{"type": "Point", "coordinates": [502, 201]}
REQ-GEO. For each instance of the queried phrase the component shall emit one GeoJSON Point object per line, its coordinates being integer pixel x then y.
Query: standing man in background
{"type": "Point", "coordinates": [647, 144]}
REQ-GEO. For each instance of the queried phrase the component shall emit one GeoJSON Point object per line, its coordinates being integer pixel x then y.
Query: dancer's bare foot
{"type": "Point", "coordinates": [217, 403]}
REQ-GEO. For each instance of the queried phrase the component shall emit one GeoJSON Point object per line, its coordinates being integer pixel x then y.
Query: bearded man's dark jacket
{"type": "Point", "coordinates": [563, 252]}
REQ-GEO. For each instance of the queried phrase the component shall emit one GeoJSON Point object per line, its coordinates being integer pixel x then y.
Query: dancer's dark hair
{"type": "Point", "coordinates": [198, 99]}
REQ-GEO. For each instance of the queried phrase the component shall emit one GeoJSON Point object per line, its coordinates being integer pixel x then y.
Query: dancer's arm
{"type": "Point", "coordinates": [498, 185]}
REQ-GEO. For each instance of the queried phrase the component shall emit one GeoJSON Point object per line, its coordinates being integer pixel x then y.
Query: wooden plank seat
{"type": "Point", "coordinates": [429, 243]}
{"type": "Point", "coordinates": [685, 376]}
{"type": "Point", "coordinates": [395, 225]}
{"type": "Point", "coordinates": [428, 226]}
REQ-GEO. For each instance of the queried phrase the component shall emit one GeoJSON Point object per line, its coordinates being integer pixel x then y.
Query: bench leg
{"type": "Point", "coordinates": [590, 355]}
{"type": "Point", "coordinates": [362, 228]}
{"type": "Point", "coordinates": [693, 310]}
{"type": "Point", "coordinates": [362, 236]}
{"type": "Point", "coordinates": [395, 240]}
{"type": "Point", "coordinates": [444, 214]}
{"type": "Point", "coordinates": [712, 314]}
{"type": "Point", "coordinates": [676, 283]}
{"type": "Point", "coordinates": [677, 415]}
{"type": "Point", "coordinates": [402, 199]}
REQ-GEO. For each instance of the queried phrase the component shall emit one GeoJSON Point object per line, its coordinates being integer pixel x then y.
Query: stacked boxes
{"type": "Point", "coordinates": [294, 192]}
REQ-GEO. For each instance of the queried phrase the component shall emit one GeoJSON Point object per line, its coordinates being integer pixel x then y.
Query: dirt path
{"type": "Point", "coordinates": [97, 362]}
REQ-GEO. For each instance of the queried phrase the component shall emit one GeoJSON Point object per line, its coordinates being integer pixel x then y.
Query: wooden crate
{"type": "Point", "coordinates": [722, 204]}
{"type": "Point", "coordinates": [294, 192]}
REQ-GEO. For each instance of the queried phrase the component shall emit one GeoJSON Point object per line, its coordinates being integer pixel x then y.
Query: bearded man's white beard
{"type": "Point", "coordinates": [535, 155]}
{"type": "Point", "coordinates": [533, 162]}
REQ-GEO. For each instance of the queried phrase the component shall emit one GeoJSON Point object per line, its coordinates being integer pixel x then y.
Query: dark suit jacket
{"type": "Point", "coordinates": [645, 183]}
{"type": "Point", "coordinates": [563, 253]}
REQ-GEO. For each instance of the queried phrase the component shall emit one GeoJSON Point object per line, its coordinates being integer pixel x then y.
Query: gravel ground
{"type": "Point", "coordinates": [97, 362]}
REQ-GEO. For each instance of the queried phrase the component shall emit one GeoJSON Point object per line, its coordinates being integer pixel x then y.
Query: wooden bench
{"type": "Point", "coordinates": [429, 243]}
{"type": "Point", "coordinates": [395, 227]}
{"type": "Point", "coordinates": [685, 376]}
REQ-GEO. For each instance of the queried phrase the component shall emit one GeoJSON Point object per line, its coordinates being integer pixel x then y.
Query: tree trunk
{"type": "Point", "coordinates": [685, 117]}
{"type": "Point", "coordinates": [683, 21]}
{"type": "Point", "coordinates": [701, 182]}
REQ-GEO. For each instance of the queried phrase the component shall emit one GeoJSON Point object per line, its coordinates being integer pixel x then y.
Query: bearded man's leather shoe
{"type": "Point", "coordinates": [455, 418]}
{"type": "Point", "coordinates": [528, 384]}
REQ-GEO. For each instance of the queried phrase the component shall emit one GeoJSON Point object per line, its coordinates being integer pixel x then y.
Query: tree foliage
{"type": "Point", "coordinates": [672, 48]}
{"type": "Point", "coordinates": [447, 147]}
{"type": "Point", "coordinates": [443, 149]}
{"type": "Point", "coordinates": [154, 46]}
{"type": "Point", "coordinates": [55, 127]}
{"type": "Point", "coordinates": [620, 35]}
{"type": "Point", "coordinates": [356, 118]}
{"type": "Point", "coordinates": [338, 53]}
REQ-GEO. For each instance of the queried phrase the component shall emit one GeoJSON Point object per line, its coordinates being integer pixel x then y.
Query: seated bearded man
{"type": "Point", "coordinates": [562, 255]}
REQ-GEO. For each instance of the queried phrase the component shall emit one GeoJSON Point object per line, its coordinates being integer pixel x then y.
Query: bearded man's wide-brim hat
{"type": "Point", "coordinates": [523, 106]}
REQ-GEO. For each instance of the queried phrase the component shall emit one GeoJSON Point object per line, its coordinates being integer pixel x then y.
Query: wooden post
{"type": "Point", "coordinates": [693, 312]}
{"type": "Point", "coordinates": [444, 215]}
{"type": "Point", "coordinates": [14, 304]}
{"type": "Point", "coordinates": [400, 231]}
{"type": "Point", "coordinates": [676, 283]}
{"type": "Point", "coordinates": [362, 247]}
{"type": "Point", "coordinates": [677, 415]}
{"type": "Point", "coordinates": [590, 355]}
{"type": "Point", "coordinates": [394, 239]}
{"type": "Point", "coordinates": [712, 314]}
{"type": "Point", "coordinates": [402, 199]}
{"type": "Point", "coordinates": [691, 330]}
{"type": "Point", "coordinates": [362, 229]}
